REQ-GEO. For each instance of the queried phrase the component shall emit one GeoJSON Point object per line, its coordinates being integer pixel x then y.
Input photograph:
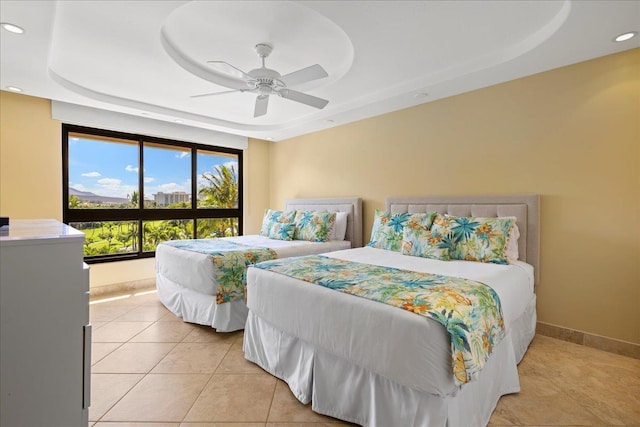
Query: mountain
{"type": "Point", "coordinates": [87, 196]}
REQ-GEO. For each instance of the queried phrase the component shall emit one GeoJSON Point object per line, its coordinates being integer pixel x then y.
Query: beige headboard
{"type": "Point", "coordinates": [525, 207]}
{"type": "Point", "coordinates": [351, 205]}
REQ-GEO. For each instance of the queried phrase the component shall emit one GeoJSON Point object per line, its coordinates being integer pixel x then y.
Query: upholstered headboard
{"type": "Point", "coordinates": [351, 205]}
{"type": "Point", "coordinates": [525, 207]}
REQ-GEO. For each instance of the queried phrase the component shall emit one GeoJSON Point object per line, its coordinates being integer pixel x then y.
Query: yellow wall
{"type": "Point", "coordinates": [31, 178]}
{"type": "Point", "coordinates": [256, 184]}
{"type": "Point", "coordinates": [570, 134]}
{"type": "Point", "coordinates": [30, 158]}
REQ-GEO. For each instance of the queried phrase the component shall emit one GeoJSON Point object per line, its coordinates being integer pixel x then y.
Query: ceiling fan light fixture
{"type": "Point", "coordinates": [12, 28]}
{"type": "Point", "coordinates": [625, 36]}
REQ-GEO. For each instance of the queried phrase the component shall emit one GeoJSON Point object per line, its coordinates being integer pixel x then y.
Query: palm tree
{"type": "Point", "coordinates": [74, 201]}
{"type": "Point", "coordinates": [154, 233]}
{"type": "Point", "coordinates": [221, 189]}
{"type": "Point", "coordinates": [132, 236]}
{"type": "Point", "coordinates": [134, 199]}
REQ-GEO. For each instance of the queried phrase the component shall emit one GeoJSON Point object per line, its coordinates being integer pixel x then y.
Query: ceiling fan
{"type": "Point", "coordinates": [265, 81]}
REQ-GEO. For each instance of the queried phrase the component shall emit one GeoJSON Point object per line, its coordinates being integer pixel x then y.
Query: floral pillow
{"type": "Point", "coordinates": [387, 230]}
{"type": "Point", "coordinates": [314, 226]}
{"type": "Point", "coordinates": [278, 224]}
{"type": "Point", "coordinates": [418, 240]}
{"type": "Point", "coordinates": [480, 239]}
{"type": "Point", "coordinates": [512, 245]}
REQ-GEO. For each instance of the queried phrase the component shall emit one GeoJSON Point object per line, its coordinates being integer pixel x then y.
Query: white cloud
{"type": "Point", "coordinates": [108, 187]}
{"type": "Point", "coordinates": [92, 174]}
{"type": "Point", "coordinates": [130, 168]}
{"type": "Point", "coordinates": [202, 181]}
{"type": "Point", "coordinates": [149, 179]}
{"type": "Point", "coordinates": [78, 187]}
{"type": "Point", "coordinates": [230, 164]}
{"type": "Point", "coordinates": [170, 187]}
{"type": "Point", "coordinates": [109, 181]}
{"type": "Point", "coordinates": [182, 155]}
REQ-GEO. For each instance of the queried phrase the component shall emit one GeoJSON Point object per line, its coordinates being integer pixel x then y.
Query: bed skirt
{"type": "Point", "coordinates": [341, 389]}
{"type": "Point", "coordinates": [196, 307]}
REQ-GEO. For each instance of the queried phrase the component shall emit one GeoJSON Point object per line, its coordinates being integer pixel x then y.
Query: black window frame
{"type": "Point", "coordinates": [141, 213]}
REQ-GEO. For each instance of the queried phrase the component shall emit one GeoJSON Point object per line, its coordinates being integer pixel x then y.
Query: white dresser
{"type": "Point", "coordinates": [45, 335]}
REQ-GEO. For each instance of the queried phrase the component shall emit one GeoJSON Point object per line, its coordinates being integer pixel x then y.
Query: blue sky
{"type": "Point", "coordinates": [111, 169]}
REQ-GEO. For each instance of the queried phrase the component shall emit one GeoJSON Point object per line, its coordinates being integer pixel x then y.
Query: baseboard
{"type": "Point", "coordinates": [611, 345]}
{"type": "Point", "coordinates": [122, 288]}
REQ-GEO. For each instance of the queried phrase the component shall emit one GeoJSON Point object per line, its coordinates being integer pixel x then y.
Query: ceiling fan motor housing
{"type": "Point", "coordinates": [265, 80]}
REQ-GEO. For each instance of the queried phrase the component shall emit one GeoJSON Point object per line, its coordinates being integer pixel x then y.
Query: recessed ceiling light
{"type": "Point", "coordinates": [269, 138]}
{"type": "Point", "coordinates": [330, 120]}
{"type": "Point", "coordinates": [178, 121]}
{"type": "Point", "coordinates": [626, 36]}
{"type": "Point", "coordinates": [12, 28]}
{"type": "Point", "coordinates": [14, 89]}
{"type": "Point", "coordinates": [421, 95]}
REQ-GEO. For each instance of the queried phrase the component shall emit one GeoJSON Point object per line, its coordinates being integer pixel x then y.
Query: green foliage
{"type": "Point", "coordinates": [74, 202]}
{"type": "Point", "coordinates": [221, 190]}
{"type": "Point", "coordinates": [133, 199]}
{"type": "Point", "coordinates": [119, 237]}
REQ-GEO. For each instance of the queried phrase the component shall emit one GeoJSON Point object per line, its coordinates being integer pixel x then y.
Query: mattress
{"type": "Point", "coordinates": [375, 336]}
{"type": "Point", "coordinates": [186, 285]}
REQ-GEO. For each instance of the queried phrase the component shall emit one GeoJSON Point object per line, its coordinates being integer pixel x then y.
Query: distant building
{"type": "Point", "coordinates": [165, 199]}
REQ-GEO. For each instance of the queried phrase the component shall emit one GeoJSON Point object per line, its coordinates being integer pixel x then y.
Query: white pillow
{"type": "Point", "coordinates": [339, 227]}
{"type": "Point", "coordinates": [512, 244]}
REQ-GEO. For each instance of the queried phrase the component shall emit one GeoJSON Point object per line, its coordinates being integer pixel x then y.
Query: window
{"type": "Point", "coordinates": [128, 193]}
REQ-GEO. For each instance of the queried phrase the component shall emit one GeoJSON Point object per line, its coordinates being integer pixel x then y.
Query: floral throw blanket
{"type": "Point", "coordinates": [230, 262]}
{"type": "Point", "coordinates": [470, 311]}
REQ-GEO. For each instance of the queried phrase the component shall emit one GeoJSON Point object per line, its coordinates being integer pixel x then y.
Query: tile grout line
{"type": "Point", "coordinates": [137, 382]}
{"type": "Point", "coordinates": [144, 374]}
{"type": "Point", "coordinates": [567, 393]}
{"type": "Point", "coordinates": [99, 360]}
{"type": "Point", "coordinates": [121, 397]}
{"type": "Point", "coordinates": [273, 396]}
{"type": "Point", "coordinates": [208, 381]}
{"type": "Point", "coordinates": [186, 414]}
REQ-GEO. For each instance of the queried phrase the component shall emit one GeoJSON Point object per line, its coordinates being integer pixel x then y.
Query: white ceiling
{"type": "Point", "coordinates": [147, 58]}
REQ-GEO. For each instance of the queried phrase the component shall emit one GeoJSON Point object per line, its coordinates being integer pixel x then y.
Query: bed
{"type": "Point", "coordinates": [186, 276]}
{"type": "Point", "coordinates": [376, 365]}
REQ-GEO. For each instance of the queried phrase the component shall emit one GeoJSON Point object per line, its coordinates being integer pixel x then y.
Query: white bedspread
{"type": "Point", "coordinates": [370, 334]}
{"type": "Point", "coordinates": [187, 287]}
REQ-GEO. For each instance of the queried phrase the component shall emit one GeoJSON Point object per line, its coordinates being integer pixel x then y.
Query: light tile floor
{"type": "Point", "coordinates": [150, 369]}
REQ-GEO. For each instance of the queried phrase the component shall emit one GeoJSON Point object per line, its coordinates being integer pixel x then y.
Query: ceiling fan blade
{"type": "Point", "coordinates": [226, 68]}
{"type": "Point", "coordinates": [303, 98]}
{"type": "Point", "coordinates": [262, 102]}
{"type": "Point", "coordinates": [216, 93]}
{"type": "Point", "coordinates": [304, 75]}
